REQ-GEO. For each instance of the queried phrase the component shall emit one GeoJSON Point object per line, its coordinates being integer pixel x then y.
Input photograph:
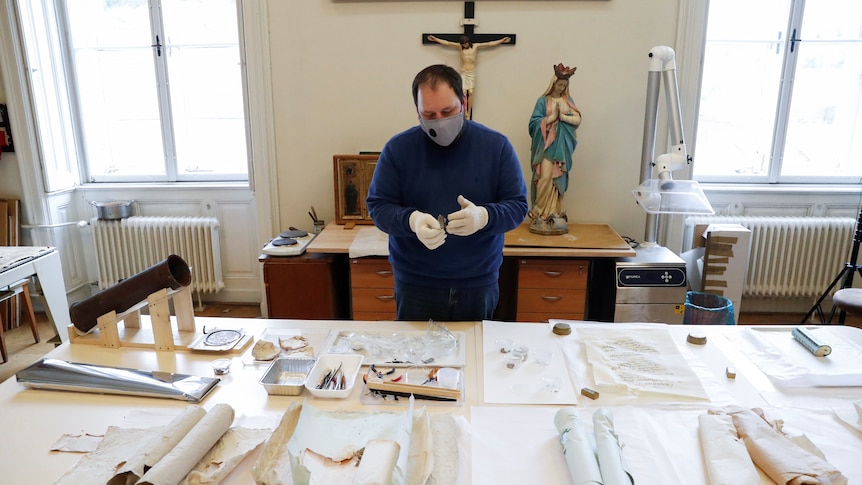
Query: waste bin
{"type": "Point", "coordinates": [707, 309]}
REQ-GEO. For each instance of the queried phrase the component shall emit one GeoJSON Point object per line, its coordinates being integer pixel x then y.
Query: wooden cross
{"type": "Point", "coordinates": [469, 24]}
{"type": "Point", "coordinates": [468, 51]}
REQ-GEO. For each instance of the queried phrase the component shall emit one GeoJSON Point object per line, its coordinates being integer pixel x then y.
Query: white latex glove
{"type": "Point", "coordinates": [468, 220]}
{"type": "Point", "coordinates": [427, 229]}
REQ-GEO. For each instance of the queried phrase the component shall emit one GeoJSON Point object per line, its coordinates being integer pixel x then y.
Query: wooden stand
{"type": "Point", "coordinates": [108, 332]}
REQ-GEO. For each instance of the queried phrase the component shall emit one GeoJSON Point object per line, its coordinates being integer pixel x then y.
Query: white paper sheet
{"type": "Point", "coordinates": [851, 414]}
{"type": "Point", "coordinates": [707, 362]}
{"type": "Point", "coordinates": [369, 241]}
{"type": "Point", "coordinates": [644, 361]}
{"type": "Point", "coordinates": [660, 445]}
{"type": "Point", "coordinates": [338, 434]}
{"type": "Point", "coordinates": [523, 385]}
{"type": "Point", "coordinates": [787, 363]}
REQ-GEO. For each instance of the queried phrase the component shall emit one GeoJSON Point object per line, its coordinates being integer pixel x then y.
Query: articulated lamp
{"type": "Point", "coordinates": [658, 192]}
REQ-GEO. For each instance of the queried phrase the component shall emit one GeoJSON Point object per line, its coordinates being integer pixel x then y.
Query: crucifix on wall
{"type": "Point", "coordinates": [468, 43]}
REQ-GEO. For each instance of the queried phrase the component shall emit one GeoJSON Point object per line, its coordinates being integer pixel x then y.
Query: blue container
{"type": "Point", "coordinates": [707, 309]}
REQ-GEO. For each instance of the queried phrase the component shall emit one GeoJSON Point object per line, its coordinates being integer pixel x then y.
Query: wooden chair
{"type": "Point", "coordinates": [11, 291]}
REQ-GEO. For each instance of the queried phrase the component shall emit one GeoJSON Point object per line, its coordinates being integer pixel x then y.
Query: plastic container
{"type": "Point", "coordinates": [350, 364]}
{"type": "Point", "coordinates": [287, 376]}
{"type": "Point", "coordinates": [707, 309]}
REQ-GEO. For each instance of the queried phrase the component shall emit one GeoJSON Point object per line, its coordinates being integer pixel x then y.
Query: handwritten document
{"type": "Point", "coordinates": [640, 360]}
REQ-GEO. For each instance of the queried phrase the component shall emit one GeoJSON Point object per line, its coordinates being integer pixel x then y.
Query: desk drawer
{"type": "Point", "coordinates": [373, 300]}
{"type": "Point", "coordinates": [371, 273]}
{"type": "Point", "coordinates": [549, 273]}
{"type": "Point", "coordinates": [541, 300]}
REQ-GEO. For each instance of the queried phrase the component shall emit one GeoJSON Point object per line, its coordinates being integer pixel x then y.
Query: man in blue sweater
{"type": "Point", "coordinates": [446, 191]}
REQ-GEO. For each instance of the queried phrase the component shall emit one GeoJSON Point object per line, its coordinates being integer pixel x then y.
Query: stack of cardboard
{"type": "Point", "coordinates": [718, 264]}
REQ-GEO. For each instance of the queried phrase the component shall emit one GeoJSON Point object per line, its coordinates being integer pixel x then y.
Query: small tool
{"type": "Point", "coordinates": [314, 214]}
{"type": "Point", "coordinates": [442, 221]}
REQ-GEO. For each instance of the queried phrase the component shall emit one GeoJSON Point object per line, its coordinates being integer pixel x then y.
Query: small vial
{"type": "Point", "coordinates": [586, 391]}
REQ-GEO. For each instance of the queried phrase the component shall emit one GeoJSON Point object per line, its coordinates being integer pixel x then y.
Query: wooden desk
{"type": "Point", "coordinates": [587, 252]}
{"type": "Point", "coordinates": [44, 264]}
{"type": "Point", "coordinates": [583, 241]}
{"type": "Point", "coordinates": [32, 420]}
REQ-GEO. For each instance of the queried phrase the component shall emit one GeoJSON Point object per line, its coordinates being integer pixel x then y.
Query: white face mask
{"type": "Point", "coordinates": [443, 130]}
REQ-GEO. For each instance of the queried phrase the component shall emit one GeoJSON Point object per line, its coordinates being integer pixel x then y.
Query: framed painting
{"type": "Point", "coordinates": [352, 178]}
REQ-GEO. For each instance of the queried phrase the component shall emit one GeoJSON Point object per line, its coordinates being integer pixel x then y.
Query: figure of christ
{"type": "Point", "coordinates": [468, 51]}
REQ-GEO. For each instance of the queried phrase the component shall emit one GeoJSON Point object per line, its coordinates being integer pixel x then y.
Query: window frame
{"type": "Point", "coordinates": [691, 46]}
{"type": "Point", "coordinates": [172, 173]}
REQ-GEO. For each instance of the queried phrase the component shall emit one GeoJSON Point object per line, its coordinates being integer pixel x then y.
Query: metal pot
{"type": "Point", "coordinates": [113, 210]}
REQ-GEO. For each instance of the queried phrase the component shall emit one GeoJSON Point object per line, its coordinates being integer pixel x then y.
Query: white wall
{"type": "Point", "coordinates": [341, 75]}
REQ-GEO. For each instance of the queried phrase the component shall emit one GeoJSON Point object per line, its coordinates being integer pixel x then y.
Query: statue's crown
{"type": "Point", "coordinates": [564, 72]}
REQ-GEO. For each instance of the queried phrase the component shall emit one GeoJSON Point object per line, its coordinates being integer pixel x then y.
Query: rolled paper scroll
{"type": "Point", "coordinates": [609, 451]}
{"type": "Point", "coordinates": [780, 458]}
{"type": "Point", "coordinates": [171, 273]}
{"type": "Point", "coordinates": [189, 451]}
{"type": "Point", "coordinates": [578, 449]}
{"type": "Point", "coordinates": [157, 447]}
{"type": "Point", "coordinates": [727, 460]}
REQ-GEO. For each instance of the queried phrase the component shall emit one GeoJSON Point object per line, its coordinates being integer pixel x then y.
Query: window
{"type": "Point", "coordinates": [157, 89]}
{"type": "Point", "coordinates": [781, 92]}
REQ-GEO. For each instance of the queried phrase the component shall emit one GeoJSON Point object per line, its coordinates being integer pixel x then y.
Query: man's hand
{"type": "Point", "coordinates": [468, 220]}
{"type": "Point", "coordinates": [427, 229]}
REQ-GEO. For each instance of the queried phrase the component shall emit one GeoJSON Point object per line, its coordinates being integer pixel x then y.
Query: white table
{"type": "Point", "coordinates": [32, 420]}
{"type": "Point", "coordinates": [44, 263]}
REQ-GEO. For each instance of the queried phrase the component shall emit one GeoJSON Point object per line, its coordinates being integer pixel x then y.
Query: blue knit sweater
{"type": "Point", "coordinates": [414, 173]}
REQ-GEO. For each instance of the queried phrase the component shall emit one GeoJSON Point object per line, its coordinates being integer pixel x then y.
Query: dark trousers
{"type": "Point", "coordinates": [419, 303]}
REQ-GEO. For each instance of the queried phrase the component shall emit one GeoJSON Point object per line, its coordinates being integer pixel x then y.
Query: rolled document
{"type": "Point", "coordinates": [783, 460]}
{"type": "Point", "coordinates": [156, 448]}
{"type": "Point", "coordinates": [186, 454]}
{"type": "Point", "coordinates": [609, 450]}
{"type": "Point", "coordinates": [578, 448]}
{"type": "Point", "coordinates": [727, 460]}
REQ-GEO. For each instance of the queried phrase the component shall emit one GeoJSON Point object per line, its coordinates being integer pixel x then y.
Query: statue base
{"type": "Point", "coordinates": [552, 226]}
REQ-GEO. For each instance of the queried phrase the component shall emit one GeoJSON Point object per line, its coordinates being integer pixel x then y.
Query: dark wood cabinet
{"type": "Point", "coordinates": [309, 286]}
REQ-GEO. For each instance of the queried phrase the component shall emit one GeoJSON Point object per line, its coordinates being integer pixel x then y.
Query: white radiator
{"type": "Point", "coordinates": [128, 246]}
{"type": "Point", "coordinates": [790, 256]}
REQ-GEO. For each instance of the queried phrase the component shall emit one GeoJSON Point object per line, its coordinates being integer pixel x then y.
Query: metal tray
{"type": "Point", "coordinates": [286, 376]}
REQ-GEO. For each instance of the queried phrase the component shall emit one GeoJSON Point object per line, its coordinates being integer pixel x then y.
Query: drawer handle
{"type": "Point", "coordinates": [385, 297]}
{"type": "Point", "coordinates": [552, 299]}
{"type": "Point", "coordinates": [553, 274]}
{"type": "Point", "coordinates": [384, 273]}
